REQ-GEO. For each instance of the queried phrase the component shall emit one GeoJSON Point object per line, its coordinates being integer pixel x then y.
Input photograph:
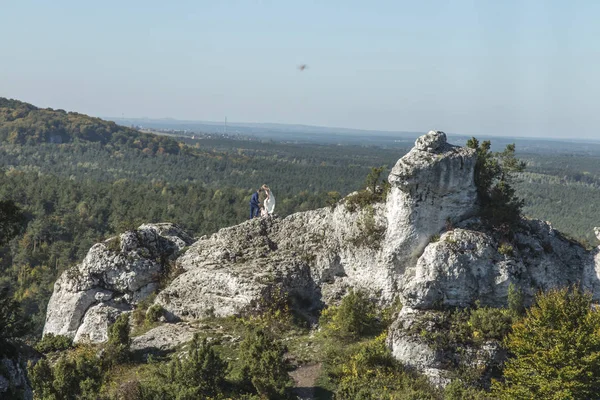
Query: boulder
{"type": "Point", "coordinates": [114, 276]}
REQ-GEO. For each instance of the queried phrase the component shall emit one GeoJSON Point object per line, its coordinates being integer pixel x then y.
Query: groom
{"type": "Point", "coordinates": [255, 205]}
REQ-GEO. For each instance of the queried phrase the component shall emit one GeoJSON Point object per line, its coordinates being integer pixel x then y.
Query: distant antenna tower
{"type": "Point", "coordinates": [225, 127]}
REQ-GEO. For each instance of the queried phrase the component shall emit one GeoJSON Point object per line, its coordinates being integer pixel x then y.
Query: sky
{"type": "Point", "coordinates": [515, 68]}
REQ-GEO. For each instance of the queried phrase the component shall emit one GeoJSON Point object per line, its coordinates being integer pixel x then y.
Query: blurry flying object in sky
{"type": "Point", "coordinates": [303, 67]}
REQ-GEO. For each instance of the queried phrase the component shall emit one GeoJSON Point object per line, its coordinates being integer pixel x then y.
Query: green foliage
{"type": "Point", "coordinates": [457, 390]}
{"type": "Point", "coordinates": [376, 191]}
{"type": "Point", "coordinates": [22, 123]}
{"type": "Point", "coordinates": [354, 317]}
{"type": "Point", "coordinates": [370, 232]}
{"type": "Point", "coordinates": [370, 372]}
{"type": "Point", "coordinates": [516, 301]}
{"type": "Point", "coordinates": [74, 376]}
{"type": "Point", "coordinates": [154, 313]}
{"type": "Point", "coordinates": [11, 220]}
{"type": "Point", "coordinates": [117, 346]}
{"type": "Point", "coordinates": [200, 374]}
{"type": "Point", "coordinates": [505, 249]}
{"type": "Point", "coordinates": [555, 350]}
{"type": "Point", "coordinates": [333, 199]}
{"type": "Point", "coordinates": [493, 172]}
{"type": "Point", "coordinates": [490, 323]}
{"type": "Point", "coordinates": [51, 343]}
{"type": "Point", "coordinates": [13, 322]}
{"type": "Point", "coordinates": [263, 365]}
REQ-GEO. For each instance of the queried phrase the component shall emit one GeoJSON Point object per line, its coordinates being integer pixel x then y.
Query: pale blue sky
{"type": "Point", "coordinates": [475, 67]}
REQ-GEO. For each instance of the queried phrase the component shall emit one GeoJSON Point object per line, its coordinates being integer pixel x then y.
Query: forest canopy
{"type": "Point", "coordinates": [23, 123]}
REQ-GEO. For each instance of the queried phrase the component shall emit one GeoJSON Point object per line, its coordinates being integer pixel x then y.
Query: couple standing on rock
{"type": "Point", "coordinates": [264, 209]}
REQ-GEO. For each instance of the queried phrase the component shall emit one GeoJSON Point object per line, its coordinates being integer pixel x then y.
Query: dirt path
{"type": "Point", "coordinates": [305, 377]}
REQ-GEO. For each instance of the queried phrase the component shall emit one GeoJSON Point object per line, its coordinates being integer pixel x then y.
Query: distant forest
{"type": "Point", "coordinates": [81, 179]}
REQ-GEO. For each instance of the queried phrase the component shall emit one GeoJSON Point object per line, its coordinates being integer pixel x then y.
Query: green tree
{"type": "Point", "coordinates": [355, 316]}
{"type": "Point", "coordinates": [117, 346]}
{"type": "Point", "coordinates": [11, 220]}
{"type": "Point", "coordinates": [13, 322]}
{"type": "Point", "coordinates": [493, 174]}
{"type": "Point", "coordinates": [555, 350]}
{"type": "Point", "coordinates": [263, 365]}
{"type": "Point", "coordinates": [516, 302]}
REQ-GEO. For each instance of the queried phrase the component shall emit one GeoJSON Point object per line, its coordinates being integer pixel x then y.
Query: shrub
{"type": "Point", "coordinates": [372, 373]}
{"type": "Point", "coordinates": [74, 376]}
{"type": "Point", "coordinates": [117, 346]}
{"type": "Point", "coordinates": [332, 199]}
{"type": "Point", "coordinates": [555, 350]}
{"type": "Point", "coordinates": [505, 249]}
{"type": "Point", "coordinates": [370, 233]}
{"type": "Point", "coordinates": [13, 322]}
{"type": "Point", "coordinates": [154, 313]}
{"type": "Point", "coordinates": [457, 390]}
{"type": "Point", "coordinates": [493, 172]}
{"type": "Point", "coordinates": [263, 365]}
{"type": "Point", "coordinates": [490, 323]}
{"type": "Point", "coordinates": [516, 303]}
{"type": "Point", "coordinates": [376, 191]}
{"type": "Point", "coordinates": [51, 342]}
{"type": "Point", "coordinates": [201, 373]}
{"type": "Point", "coordinates": [354, 317]}
{"type": "Point", "coordinates": [114, 244]}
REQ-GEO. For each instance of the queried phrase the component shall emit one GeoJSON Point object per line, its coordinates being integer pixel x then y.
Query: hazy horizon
{"type": "Point", "coordinates": [522, 69]}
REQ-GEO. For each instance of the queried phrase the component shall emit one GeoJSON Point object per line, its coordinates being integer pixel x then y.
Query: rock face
{"type": "Point", "coordinates": [113, 277]}
{"type": "Point", "coordinates": [423, 245]}
{"type": "Point", "coordinates": [316, 255]}
{"type": "Point", "coordinates": [13, 379]}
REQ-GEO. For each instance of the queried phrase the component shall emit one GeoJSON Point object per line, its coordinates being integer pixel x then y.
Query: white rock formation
{"type": "Point", "coordinates": [113, 277]}
{"type": "Point", "coordinates": [390, 249]}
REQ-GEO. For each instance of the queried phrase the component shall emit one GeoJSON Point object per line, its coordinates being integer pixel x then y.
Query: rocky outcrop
{"type": "Point", "coordinates": [423, 245]}
{"type": "Point", "coordinates": [114, 276]}
{"type": "Point", "coordinates": [316, 255]}
{"type": "Point", "coordinates": [432, 187]}
{"type": "Point", "coordinates": [439, 362]}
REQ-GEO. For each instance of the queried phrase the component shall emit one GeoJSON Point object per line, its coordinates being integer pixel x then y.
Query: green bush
{"type": "Point", "coordinates": [154, 313]}
{"type": "Point", "coordinates": [444, 330]}
{"type": "Point", "coordinates": [13, 321]}
{"type": "Point", "coordinates": [77, 375]}
{"type": "Point", "coordinates": [370, 233]}
{"type": "Point", "coordinates": [333, 199]}
{"type": "Point", "coordinates": [51, 342]}
{"type": "Point", "coordinates": [376, 191]}
{"type": "Point", "coordinates": [505, 249]}
{"type": "Point", "coordinates": [490, 323]}
{"type": "Point", "coordinates": [457, 390]}
{"type": "Point", "coordinates": [555, 350]}
{"type": "Point", "coordinates": [516, 302]}
{"type": "Point", "coordinates": [370, 372]}
{"type": "Point", "coordinates": [117, 346]}
{"type": "Point", "coordinates": [493, 174]}
{"type": "Point", "coordinates": [354, 317]}
{"type": "Point", "coordinates": [263, 365]}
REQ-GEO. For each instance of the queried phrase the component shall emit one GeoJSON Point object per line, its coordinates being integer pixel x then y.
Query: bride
{"type": "Point", "coordinates": [269, 203]}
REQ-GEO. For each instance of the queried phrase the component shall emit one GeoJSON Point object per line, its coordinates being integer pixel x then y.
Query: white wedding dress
{"type": "Point", "coordinates": [270, 203]}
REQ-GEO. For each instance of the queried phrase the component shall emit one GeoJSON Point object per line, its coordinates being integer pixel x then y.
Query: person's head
{"type": "Point", "coordinates": [264, 187]}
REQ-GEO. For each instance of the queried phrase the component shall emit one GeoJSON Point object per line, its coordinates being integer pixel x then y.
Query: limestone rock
{"type": "Point", "coordinates": [95, 324]}
{"type": "Point", "coordinates": [408, 345]}
{"type": "Point", "coordinates": [114, 275]}
{"type": "Point", "coordinates": [163, 338]}
{"type": "Point", "coordinates": [423, 244]}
